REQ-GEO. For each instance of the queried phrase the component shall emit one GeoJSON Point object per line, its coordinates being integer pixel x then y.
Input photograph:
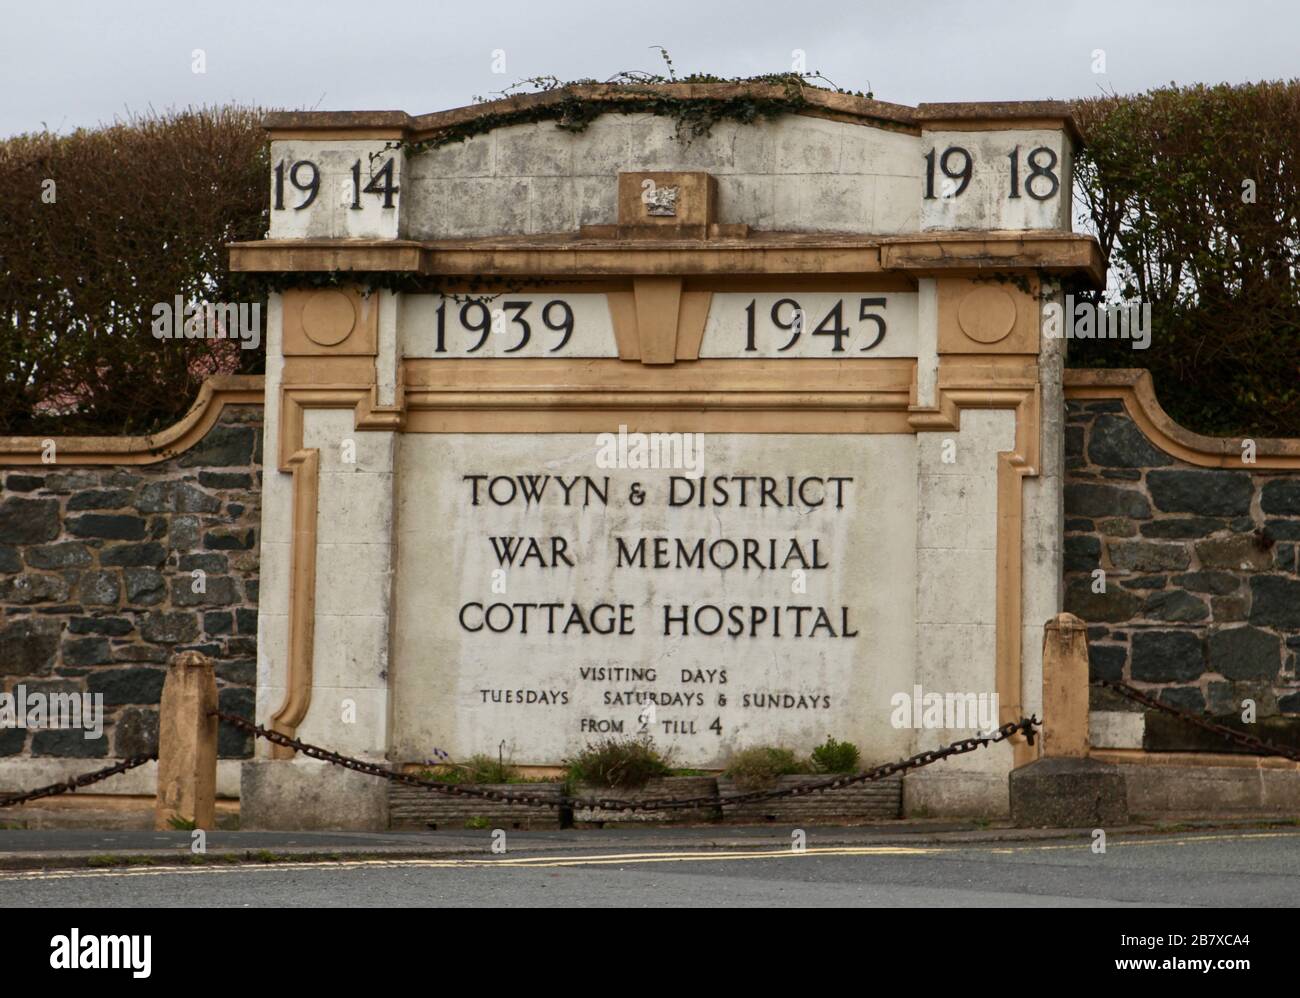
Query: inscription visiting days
{"type": "Point", "coordinates": [721, 607]}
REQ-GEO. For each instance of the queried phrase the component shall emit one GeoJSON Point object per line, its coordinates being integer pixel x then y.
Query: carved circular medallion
{"type": "Point", "coordinates": [328, 318]}
{"type": "Point", "coordinates": [987, 314]}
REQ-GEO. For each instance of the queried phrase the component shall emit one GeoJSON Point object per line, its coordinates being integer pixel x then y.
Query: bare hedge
{"type": "Point", "coordinates": [138, 213]}
{"type": "Point", "coordinates": [1195, 195]}
{"type": "Point", "coordinates": [144, 208]}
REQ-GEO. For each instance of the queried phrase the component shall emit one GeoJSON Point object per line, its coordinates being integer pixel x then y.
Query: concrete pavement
{"type": "Point", "coordinates": [691, 868]}
{"type": "Point", "coordinates": [99, 848]}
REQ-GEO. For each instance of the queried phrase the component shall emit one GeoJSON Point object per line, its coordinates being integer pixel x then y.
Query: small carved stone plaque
{"type": "Point", "coordinates": [660, 201]}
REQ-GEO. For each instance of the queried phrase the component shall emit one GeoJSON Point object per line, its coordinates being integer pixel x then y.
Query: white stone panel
{"type": "Point", "coordinates": [956, 581]}
{"type": "Point", "coordinates": [986, 201]}
{"type": "Point", "coordinates": [272, 653]}
{"type": "Point", "coordinates": [390, 306]}
{"type": "Point", "coordinates": [346, 651]}
{"type": "Point", "coordinates": [950, 649]}
{"type": "Point", "coordinates": [552, 204]}
{"type": "Point", "coordinates": [328, 724]}
{"type": "Point", "coordinates": [794, 172]}
{"type": "Point", "coordinates": [961, 590]}
{"type": "Point", "coordinates": [353, 582]}
{"type": "Point", "coordinates": [371, 452]}
{"type": "Point", "coordinates": [330, 214]}
{"type": "Point", "coordinates": [897, 205]}
{"type": "Point", "coordinates": [441, 671]}
{"type": "Point", "coordinates": [727, 331]}
{"type": "Point", "coordinates": [1042, 562]}
{"type": "Point", "coordinates": [1116, 729]}
{"type": "Point", "coordinates": [356, 575]}
{"type": "Point", "coordinates": [275, 534]}
{"type": "Point", "coordinates": [927, 341]}
{"type": "Point", "coordinates": [462, 321]}
{"type": "Point", "coordinates": [348, 502]}
{"type": "Point", "coordinates": [752, 198]}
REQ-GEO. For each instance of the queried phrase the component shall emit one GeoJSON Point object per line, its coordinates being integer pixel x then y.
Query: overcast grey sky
{"type": "Point", "coordinates": [68, 64]}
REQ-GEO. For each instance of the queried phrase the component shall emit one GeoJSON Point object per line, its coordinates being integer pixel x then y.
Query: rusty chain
{"type": "Point", "coordinates": [76, 782]}
{"type": "Point", "coordinates": [1260, 746]}
{"type": "Point", "coordinates": [1024, 726]}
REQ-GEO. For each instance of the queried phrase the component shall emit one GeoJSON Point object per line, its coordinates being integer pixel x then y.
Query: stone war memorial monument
{"type": "Point", "coordinates": [695, 413]}
{"type": "Point", "coordinates": [749, 437]}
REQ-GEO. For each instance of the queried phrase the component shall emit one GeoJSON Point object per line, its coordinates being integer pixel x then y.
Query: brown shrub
{"type": "Point", "coordinates": [1162, 176]}
{"type": "Point", "coordinates": [142, 211]}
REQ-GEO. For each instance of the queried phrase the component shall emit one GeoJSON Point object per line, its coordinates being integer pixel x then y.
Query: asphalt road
{"type": "Point", "coordinates": [1233, 869]}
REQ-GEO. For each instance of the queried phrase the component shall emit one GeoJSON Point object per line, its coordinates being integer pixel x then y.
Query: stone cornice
{"type": "Point", "coordinates": [568, 255]}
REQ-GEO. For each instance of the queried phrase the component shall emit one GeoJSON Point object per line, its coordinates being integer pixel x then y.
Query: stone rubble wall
{"type": "Point", "coordinates": [1201, 604]}
{"type": "Point", "coordinates": [876, 799]}
{"type": "Point", "coordinates": [415, 807]}
{"type": "Point", "coordinates": [97, 585]}
{"type": "Point", "coordinates": [1202, 583]}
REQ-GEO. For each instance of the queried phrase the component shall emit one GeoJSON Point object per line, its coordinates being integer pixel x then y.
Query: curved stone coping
{"type": "Point", "coordinates": [216, 393]}
{"type": "Point", "coordinates": [1135, 388]}
{"type": "Point", "coordinates": [399, 123]}
{"type": "Point", "coordinates": [819, 102]}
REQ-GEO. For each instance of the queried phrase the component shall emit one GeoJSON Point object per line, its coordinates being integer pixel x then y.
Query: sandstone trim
{"type": "Point", "coordinates": [567, 255]}
{"type": "Point", "coordinates": [305, 467]}
{"type": "Point", "coordinates": [216, 393]}
{"type": "Point", "coordinates": [514, 396]}
{"type": "Point", "coordinates": [1135, 388]}
{"type": "Point", "coordinates": [1141, 757]}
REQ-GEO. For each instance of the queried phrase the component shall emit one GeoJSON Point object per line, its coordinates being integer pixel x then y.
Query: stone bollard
{"type": "Point", "coordinates": [187, 743]}
{"type": "Point", "coordinates": [1065, 687]}
{"type": "Point", "coordinates": [1066, 788]}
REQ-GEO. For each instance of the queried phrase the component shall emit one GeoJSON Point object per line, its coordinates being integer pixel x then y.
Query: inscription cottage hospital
{"type": "Point", "coordinates": [708, 590]}
{"type": "Point", "coordinates": [660, 553]}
